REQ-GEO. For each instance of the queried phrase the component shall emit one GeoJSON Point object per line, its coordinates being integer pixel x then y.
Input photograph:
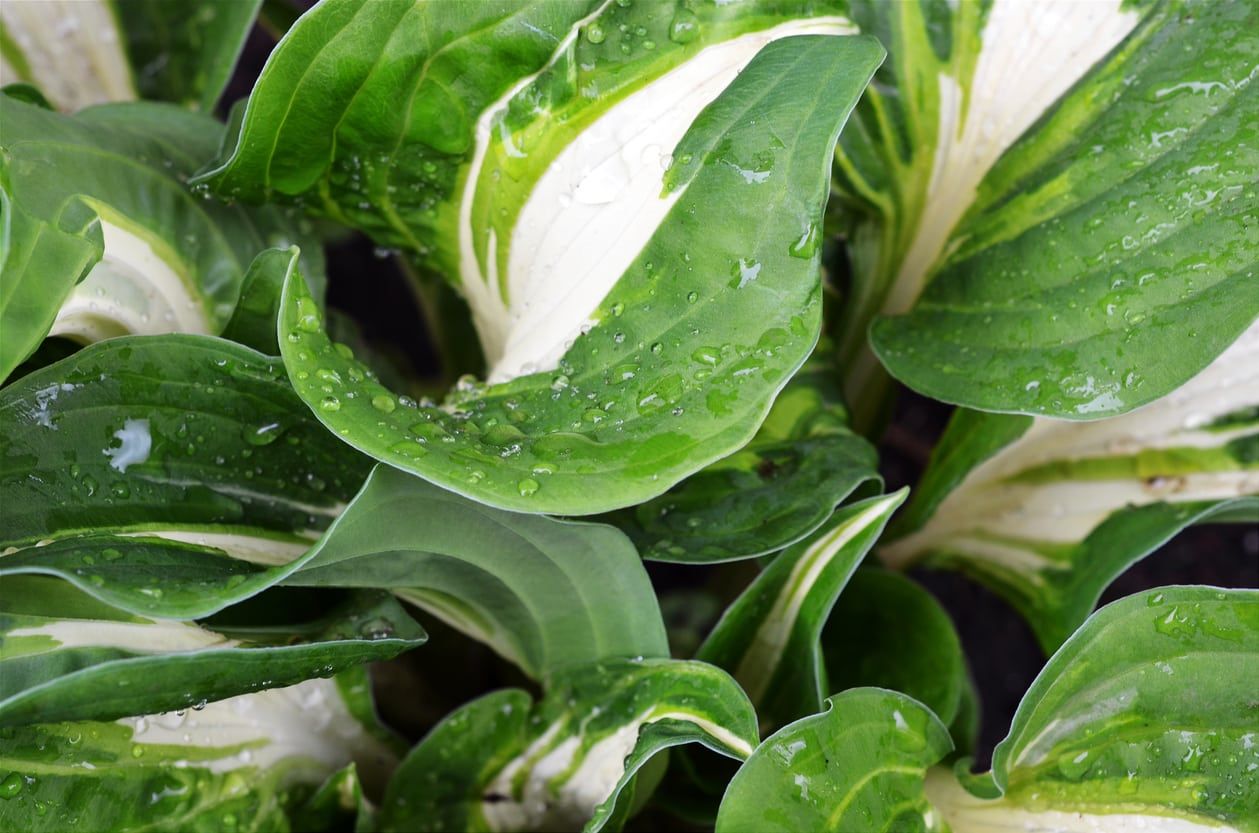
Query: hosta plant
{"type": "Point", "coordinates": [609, 532]}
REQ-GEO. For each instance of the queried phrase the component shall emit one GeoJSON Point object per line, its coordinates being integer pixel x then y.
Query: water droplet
{"type": "Point", "coordinates": [384, 402]}
{"type": "Point", "coordinates": [330, 404]}
{"type": "Point", "coordinates": [307, 315]}
{"type": "Point", "coordinates": [265, 434]}
{"type": "Point", "coordinates": [408, 448]}
{"type": "Point", "coordinates": [1073, 765]}
{"type": "Point", "coordinates": [684, 28]}
{"type": "Point", "coordinates": [707, 355]}
{"type": "Point", "coordinates": [503, 435]}
{"type": "Point", "coordinates": [745, 271]}
{"type": "Point", "coordinates": [595, 33]}
{"type": "Point", "coordinates": [527, 487]}
{"type": "Point", "coordinates": [377, 628]}
{"type": "Point", "coordinates": [11, 786]}
{"type": "Point", "coordinates": [808, 243]}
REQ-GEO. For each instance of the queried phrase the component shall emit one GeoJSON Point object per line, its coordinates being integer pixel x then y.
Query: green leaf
{"type": "Point", "coordinates": [71, 464]}
{"type": "Point", "coordinates": [859, 765]}
{"type": "Point", "coordinates": [254, 321]}
{"type": "Point", "coordinates": [1039, 222]}
{"type": "Point", "coordinates": [769, 637]}
{"type": "Point", "coordinates": [67, 656]}
{"type": "Point", "coordinates": [616, 379]}
{"type": "Point", "coordinates": [1155, 691]}
{"type": "Point", "coordinates": [253, 762]}
{"type": "Point", "coordinates": [185, 52]}
{"type": "Point", "coordinates": [888, 632]}
{"type": "Point", "coordinates": [139, 461]}
{"type": "Point", "coordinates": [772, 492]}
{"type": "Point", "coordinates": [1143, 720]}
{"type": "Point", "coordinates": [546, 594]}
{"type": "Point", "coordinates": [102, 236]}
{"type": "Point", "coordinates": [504, 762]}
{"type": "Point", "coordinates": [152, 576]}
{"type": "Point", "coordinates": [1048, 513]}
{"type": "Point", "coordinates": [41, 262]}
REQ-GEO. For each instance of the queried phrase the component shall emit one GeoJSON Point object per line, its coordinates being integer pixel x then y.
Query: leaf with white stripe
{"type": "Point", "coordinates": [263, 761]}
{"type": "Point", "coordinates": [1048, 513]}
{"type": "Point", "coordinates": [1043, 195]}
{"type": "Point", "coordinates": [1145, 720]}
{"type": "Point", "coordinates": [104, 193]}
{"type": "Point", "coordinates": [769, 638]}
{"type": "Point", "coordinates": [574, 759]}
{"type": "Point", "coordinates": [544, 593]}
{"type": "Point", "coordinates": [67, 656]}
{"type": "Point", "coordinates": [637, 238]}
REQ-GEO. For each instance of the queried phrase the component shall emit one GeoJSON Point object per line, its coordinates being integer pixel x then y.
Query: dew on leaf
{"type": "Point", "coordinates": [684, 28]}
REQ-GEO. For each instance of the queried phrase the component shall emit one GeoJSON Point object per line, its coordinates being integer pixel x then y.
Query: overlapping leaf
{"type": "Point", "coordinates": [887, 631]}
{"type": "Point", "coordinates": [544, 593]}
{"type": "Point", "coordinates": [767, 495]}
{"type": "Point", "coordinates": [184, 52]}
{"type": "Point", "coordinates": [859, 765]}
{"type": "Point", "coordinates": [623, 375]}
{"type": "Point", "coordinates": [1044, 217]}
{"type": "Point", "coordinates": [96, 51]}
{"type": "Point", "coordinates": [280, 759]}
{"type": "Point", "coordinates": [169, 477]}
{"type": "Point", "coordinates": [1144, 719]}
{"type": "Point", "coordinates": [769, 637]}
{"type": "Point", "coordinates": [569, 761]}
{"type": "Point", "coordinates": [1049, 513]}
{"type": "Point", "coordinates": [67, 656]}
{"type": "Point", "coordinates": [145, 462]}
{"type": "Point", "coordinates": [102, 236]}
